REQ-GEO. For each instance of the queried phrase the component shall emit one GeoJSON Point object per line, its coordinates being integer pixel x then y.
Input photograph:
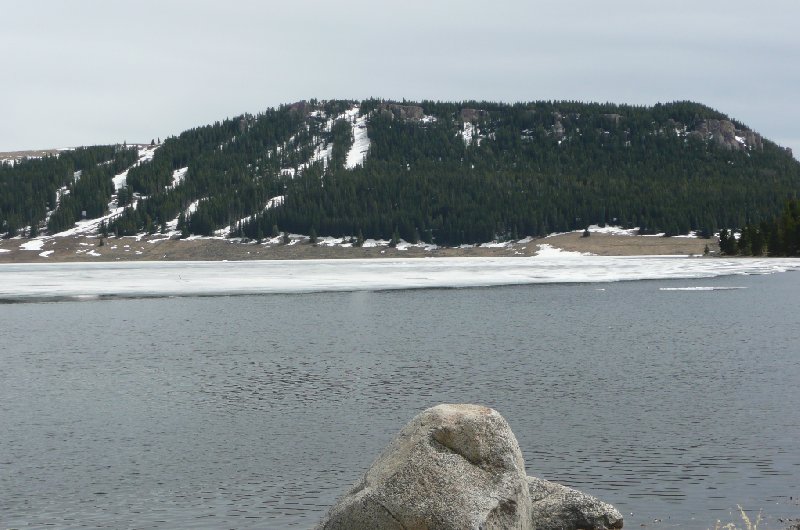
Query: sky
{"type": "Point", "coordinates": [84, 72]}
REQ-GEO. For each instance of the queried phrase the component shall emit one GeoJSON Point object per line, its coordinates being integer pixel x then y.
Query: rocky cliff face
{"type": "Point", "coordinates": [473, 115]}
{"type": "Point", "coordinates": [402, 112]}
{"type": "Point", "coordinates": [459, 467]}
{"type": "Point", "coordinates": [725, 134]}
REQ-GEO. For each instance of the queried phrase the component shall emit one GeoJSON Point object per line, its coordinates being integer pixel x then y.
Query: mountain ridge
{"type": "Point", "coordinates": [448, 173]}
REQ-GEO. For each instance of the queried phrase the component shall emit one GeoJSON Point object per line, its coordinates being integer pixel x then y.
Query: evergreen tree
{"type": "Point", "coordinates": [727, 243]}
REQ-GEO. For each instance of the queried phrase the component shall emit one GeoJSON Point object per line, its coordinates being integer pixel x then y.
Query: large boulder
{"type": "Point", "coordinates": [460, 467]}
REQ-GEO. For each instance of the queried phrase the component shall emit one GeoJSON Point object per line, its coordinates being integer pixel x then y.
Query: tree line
{"type": "Point", "coordinates": [778, 236]}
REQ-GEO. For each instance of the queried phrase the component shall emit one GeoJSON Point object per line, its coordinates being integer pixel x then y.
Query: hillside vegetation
{"type": "Point", "coordinates": [448, 173]}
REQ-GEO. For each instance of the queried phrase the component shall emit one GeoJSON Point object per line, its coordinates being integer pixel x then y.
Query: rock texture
{"type": "Point", "coordinates": [402, 112]}
{"type": "Point", "coordinates": [460, 467]}
{"type": "Point", "coordinates": [557, 507]}
{"type": "Point", "coordinates": [473, 115]}
{"type": "Point", "coordinates": [725, 134]}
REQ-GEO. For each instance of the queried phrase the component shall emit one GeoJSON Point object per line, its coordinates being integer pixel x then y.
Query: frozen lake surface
{"type": "Point", "coordinates": [147, 279]}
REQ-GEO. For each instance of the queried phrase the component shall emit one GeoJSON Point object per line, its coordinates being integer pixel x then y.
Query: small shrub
{"type": "Point", "coordinates": [748, 524]}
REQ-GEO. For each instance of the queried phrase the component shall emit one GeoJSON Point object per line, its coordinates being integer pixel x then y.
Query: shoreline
{"type": "Point", "coordinates": [89, 248]}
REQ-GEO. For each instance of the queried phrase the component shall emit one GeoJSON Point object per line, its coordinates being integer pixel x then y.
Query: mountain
{"type": "Point", "coordinates": [448, 173]}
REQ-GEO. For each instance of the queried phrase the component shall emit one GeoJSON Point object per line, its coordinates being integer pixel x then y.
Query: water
{"type": "Point", "coordinates": [259, 411]}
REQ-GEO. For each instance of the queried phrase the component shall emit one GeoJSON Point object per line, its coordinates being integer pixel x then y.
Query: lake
{"type": "Point", "coordinates": [673, 399]}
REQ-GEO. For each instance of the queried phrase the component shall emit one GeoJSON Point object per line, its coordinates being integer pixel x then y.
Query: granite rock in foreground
{"type": "Point", "coordinates": [457, 467]}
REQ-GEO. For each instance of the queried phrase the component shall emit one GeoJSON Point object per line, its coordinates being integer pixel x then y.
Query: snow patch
{"type": "Point", "coordinates": [322, 153]}
{"type": "Point", "coordinates": [549, 251]}
{"type": "Point", "coordinates": [193, 207]}
{"type": "Point", "coordinates": [405, 245]}
{"type": "Point", "coordinates": [33, 244]}
{"type": "Point", "coordinates": [272, 203]}
{"type": "Point", "coordinates": [275, 202]}
{"type": "Point", "coordinates": [323, 149]}
{"type": "Point", "coordinates": [46, 253]}
{"type": "Point", "coordinates": [89, 226]}
{"type": "Point", "coordinates": [617, 231]}
{"type": "Point", "coordinates": [372, 243]}
{"type": "Point", "coordinates": [469, 133]}
{"type": "Point", "coordinates": [612, 230]}
{"type": "Point", "coordinates": [495, 244]}
{"type": "Point", "coordinates": [177, 176]}
{"type": "Point", "coordinates": [145, 155]}
{"type": "Point", "coordinates": [328, 241]}
{"type": "Point", "coordinates": [358, 151]}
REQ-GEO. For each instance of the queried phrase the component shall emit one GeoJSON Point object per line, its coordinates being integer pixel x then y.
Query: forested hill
{"type": "Point", "coordinates": [448, 173]}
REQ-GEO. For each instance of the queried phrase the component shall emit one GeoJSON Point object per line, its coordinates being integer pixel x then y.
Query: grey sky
{"type": "Point", "coordinates": [102, 71]}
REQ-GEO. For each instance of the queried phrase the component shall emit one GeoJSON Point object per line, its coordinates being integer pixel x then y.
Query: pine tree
{"type": "Point", "coordinates": [727, 243]}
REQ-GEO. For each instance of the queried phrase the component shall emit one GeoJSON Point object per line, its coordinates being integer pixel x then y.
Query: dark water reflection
{"type": "Point", "coordinates": [258, 411]}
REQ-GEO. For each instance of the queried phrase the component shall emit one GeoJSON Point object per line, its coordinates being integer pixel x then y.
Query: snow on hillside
{"type": "Point", "coordinates": [471, 133]}
{"type": "Point", "coordinates": [177, 176]}
{"type": "Point", "coordinates": [89, 227]}
{"type": "Point", "coordinates": [358, 151]}
{"type": "Point", "coordinates": [322, 153]}
{"type": "Point", "coordinates": [323, 149]}
{"type": "Point", "coordinates": [33, 244]}
{"type": "Point", "coordinates": [145, 155]}
{"type": "Point", "coordinates": [121, 180]}
{"type": "Point", "coordinates": [619, 231]}
{"type": "Point", "coordinates": [275, 202]}
{"type": "Point", "coordinates": [272, 203]}
{"type": "Point", "coordinates": [173, 225]}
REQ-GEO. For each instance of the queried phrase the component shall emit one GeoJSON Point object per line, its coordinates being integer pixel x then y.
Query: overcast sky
{"type": "Point", "coordinates": [85, 72]}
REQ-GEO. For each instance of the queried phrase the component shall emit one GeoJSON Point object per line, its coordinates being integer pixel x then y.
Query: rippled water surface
{"type": "Point", "coordinates": [670, 400]}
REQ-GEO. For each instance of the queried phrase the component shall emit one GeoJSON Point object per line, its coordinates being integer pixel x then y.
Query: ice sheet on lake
{"type": "Point", "coordinates": [44, 281]}
{"type": "Point", "coordinates": [701, 288]}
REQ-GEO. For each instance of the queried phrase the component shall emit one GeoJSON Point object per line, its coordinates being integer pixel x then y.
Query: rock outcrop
{"type": "Point", "coordinates": [473, 115]}
{"type": "Point", "coordinates": [460, 467]}
{"type": "Point", "coordinates": [725, 134]}
{"type": "Point", "coordinates": [402, 112]}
